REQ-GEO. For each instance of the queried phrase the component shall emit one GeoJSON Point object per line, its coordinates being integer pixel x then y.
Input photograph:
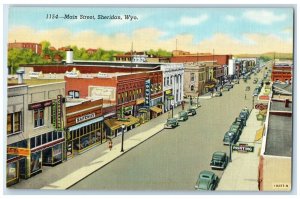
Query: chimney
{"type": "Point", "coordinates": [287, 101]}
{"type": "Point", "coordinates": [20, 73]}
{"type": "Point", "coordinates": [69, 58]}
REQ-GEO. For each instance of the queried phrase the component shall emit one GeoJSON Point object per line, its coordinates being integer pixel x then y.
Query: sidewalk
{"type": "Point", "coordinates": [70, 172]}
{"type": "Point", "coordinates": [241, 174]}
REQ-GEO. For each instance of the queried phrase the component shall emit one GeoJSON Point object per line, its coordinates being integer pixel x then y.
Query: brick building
{"type": "Point", "coordinates": [35, 47]}
{"type": "Point", "coordinates": [282, 73]}
{"type": "Point", "coordinates": [219, 59]}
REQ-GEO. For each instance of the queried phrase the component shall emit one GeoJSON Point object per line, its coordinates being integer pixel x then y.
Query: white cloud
{"type": "Point", "coordinates": [230, 18]}
{"type": "Point", "coordinates": [150, 38]}
{"type": "Point", "coordinates": [263, 16]}
{"type": "Point", "coordinates": [190, 21]}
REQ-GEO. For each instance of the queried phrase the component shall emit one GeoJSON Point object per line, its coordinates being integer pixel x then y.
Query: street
{"type": "Point", "coordinates": [172, 159]}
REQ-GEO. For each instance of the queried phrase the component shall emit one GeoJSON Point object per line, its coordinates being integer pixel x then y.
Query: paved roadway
{"type": "Point", "coordinates": [172, 159]}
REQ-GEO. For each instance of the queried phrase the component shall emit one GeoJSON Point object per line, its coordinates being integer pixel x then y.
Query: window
{"type": "Point", "coordinates": [14, 122]}
{"type": "Point", "coordinates": [171, 80]}
{"type": "Point", "coordinates": [59, 135]}
{"type": "Point", "coordinates": [38, 117]}
{"type": "Point", "coordinates": [44, 138]}
{"type": "Point", "coordinates": [54, 135]}
{"type": "Point", "coordinates": [9, 123]}
{"type": "Point", "coordinates": [32, 142]}
{"type": "Point", "coordinates": [192, 76]}
{"type": "Point", "coordinates": [73, 94]}
{"type": "Point", "coordinates": [192, 88]}
{"type": "Point", "coordinates": [38, 140]}
{"type": "Point", "coordinates": [49, 135]}
{"type": "Point", "coordinates": [168, 81]}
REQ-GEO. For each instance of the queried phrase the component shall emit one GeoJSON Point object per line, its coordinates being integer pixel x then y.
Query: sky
{"type": "Point", "coordinates": [197, 30]}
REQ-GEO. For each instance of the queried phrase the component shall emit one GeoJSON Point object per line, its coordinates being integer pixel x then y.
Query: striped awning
{"type": "Point", "coordinates": [114, 123]}
{"type": "Point", "coordinates": [140, 101]}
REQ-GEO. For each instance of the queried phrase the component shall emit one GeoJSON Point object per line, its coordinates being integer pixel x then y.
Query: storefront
{"type": "Point", "coordinates": [46, 149]}
{"type": "Point", "coordinates": [114, 128]}
{"type": "Point", "coordinates": [15, 169]}
{"type": "Point", "coordinates": [85, 136]}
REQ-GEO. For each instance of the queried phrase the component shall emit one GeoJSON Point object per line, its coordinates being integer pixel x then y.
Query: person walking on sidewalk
{"type": "Point", "coordinates": [110, 144]}
{"type": "Point", "coordinates": [182, 105]}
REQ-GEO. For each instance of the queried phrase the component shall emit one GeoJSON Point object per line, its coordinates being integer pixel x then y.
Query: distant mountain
{"type": "Point", "coordinates": [269, 55]}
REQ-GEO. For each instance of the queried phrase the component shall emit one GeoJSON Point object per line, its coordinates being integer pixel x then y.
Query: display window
{"type": "Point", "coordinates": [11, 171]}
{"type": "Point", "coordinates": [36, 162]}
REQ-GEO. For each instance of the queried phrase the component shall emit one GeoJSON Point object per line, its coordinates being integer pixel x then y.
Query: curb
{"type": "Point", "coordinates": [121, 154]}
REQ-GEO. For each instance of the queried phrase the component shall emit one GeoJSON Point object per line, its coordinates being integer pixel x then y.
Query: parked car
{"type": "Point", "coordinates": [171, 123]}
{"type": "Point", "coordinates": [219, 160]}
{"type": "Point", "coordinates": [236, 129]}
{"type": "Point", "coordinates": [191, 111]}
{"type": "Point", "coordinates": [256, 92]}
{"type": "Point", "coordinates": [244, 113]}
{"type": "Point", "coordinates": [207, 181]}
{"type": "Point", "coordinates": [183, 116]}
{"type": "Point", "coordinates": [241, 120]}
{"type": "Point", "coordinates": [218, 94]}
{"type": "Point", "coordinates": [230, 138]}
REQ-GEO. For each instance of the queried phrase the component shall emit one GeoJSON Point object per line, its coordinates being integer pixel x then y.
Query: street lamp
{"type": "Point", "coordinates": [123, 128]}
{"type": "Point", "coordinates": [172, 108]}
{"type": "Point", "coordinates": [230, 152]}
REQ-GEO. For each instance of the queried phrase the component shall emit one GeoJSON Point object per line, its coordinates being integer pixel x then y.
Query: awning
{"type": "Point", "coordinates": [140, 101]}
{"type": "Point", "coordinates": [259, 133]}
{"type": "Point", "coordinates": [114, 124]}
{"type": "Point", "coordinates": [72, 128]}
{"type": "Point", "coordinates": [209, 86]}
{"type": "Point", "coordinates": [155, 109]}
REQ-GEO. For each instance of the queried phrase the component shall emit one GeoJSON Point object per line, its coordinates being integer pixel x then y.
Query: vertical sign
{"type": "Point", "coordinates": [147, 92]}
{"type": "Point", "coordinates": [53, 114]}
{"type": "Point", "coordinates": [59, 112]}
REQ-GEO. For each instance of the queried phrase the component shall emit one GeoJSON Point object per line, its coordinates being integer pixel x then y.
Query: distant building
{"type": "Point", "coordinates": [139, 57]}
{"type": "Point", "coordinates": [182, 57]}
{"type": "Point", "coordinates": [282, 72]}
{"type": "Point", "coordinates": [91, 51]}
{"type": "Point", "coordinates": [35, 47]}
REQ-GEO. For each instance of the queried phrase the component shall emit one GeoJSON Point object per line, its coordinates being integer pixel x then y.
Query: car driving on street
{"type": "Point", "coordinates": [191, 111]}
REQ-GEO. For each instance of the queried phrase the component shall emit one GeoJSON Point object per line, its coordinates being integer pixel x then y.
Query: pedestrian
{"type": "Point", "coordinates": [245, 96]}
{"type": "Point", "coordinates": [110, 145]}
{"type": "Point", "coordinates": [182, 105]}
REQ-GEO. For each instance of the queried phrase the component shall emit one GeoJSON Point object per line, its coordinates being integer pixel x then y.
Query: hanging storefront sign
{"type": "Point", "coordinates": [18, 151]}
{"type": "Point", "coordinates": [147, 92]}
{"type": "Point", "coordinates": [168, 92]}
{"type": "Point", "coordinates": [39, 105]}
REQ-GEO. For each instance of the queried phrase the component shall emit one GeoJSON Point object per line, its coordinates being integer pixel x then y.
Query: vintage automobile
{"type": "Point", "coordinates": [171, 123]}
{"type": "Point", "coordinates": [244, 113]}
{"type": "Point", "coordinates": [207, 181]}
{"type": "Point", "coordinates": [230, 138]}
{"type": "Point", "coordinates": [218, 94]}
{"type": "Point", "coordinates": [183, 116]}
{"type": "Point", "coordinates": [236, 81]}
{"type": "Point", "coordinates": [227, 87]}
{"type": "Point", "coordinates": [191, 111]}
{"type": "Point", "coordinates": [241, 120]}
{"type": "Point", "coordinates": [219, 160]}
{"type": "Point", "coordinates": [236, 129]}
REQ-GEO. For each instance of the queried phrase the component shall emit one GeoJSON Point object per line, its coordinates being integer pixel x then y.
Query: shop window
{"type": "Point", "coordinates": [36, 162]}
{"type": "Point", "coordinates": [38, 117]}
{"type": "Point", "coordinates": [17, 121]}
{"type": "Point", "coordinates": [81, 131]}
{"type": "Point", "coordinates": [11, 171]}
{"type": "Point", "coordinates": [73, 94]}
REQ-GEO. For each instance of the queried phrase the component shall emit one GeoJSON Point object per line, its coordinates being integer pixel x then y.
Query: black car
{"type": "Point", "coordinates": [230, 138]}
{"type": "Point", "coordinates": [219, 160]}
{"type": "Point", "coordinates": [241, 120]}
{"type": "Point", "coordinates": [191, 111]}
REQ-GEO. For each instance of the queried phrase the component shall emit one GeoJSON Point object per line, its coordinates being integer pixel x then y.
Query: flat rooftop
{"type": "Point", "coordinates": [280, 137]}
{"type": "Point", "coordinates": [280, 106]}
{"type": "Point", "coordinates": [32, 82]}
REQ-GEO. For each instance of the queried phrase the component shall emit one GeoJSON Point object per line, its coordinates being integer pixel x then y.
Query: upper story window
{"type": "Point", "coordinates": [73, 94]}
{"type": "Point", "coordinates": [168, 81]}
{"type": "Point", "coordinates": [192, 77]}
{"type": "Point", "coordinates": [14, 122]}
{"type": "Point", "coordinates": [39, 117]}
